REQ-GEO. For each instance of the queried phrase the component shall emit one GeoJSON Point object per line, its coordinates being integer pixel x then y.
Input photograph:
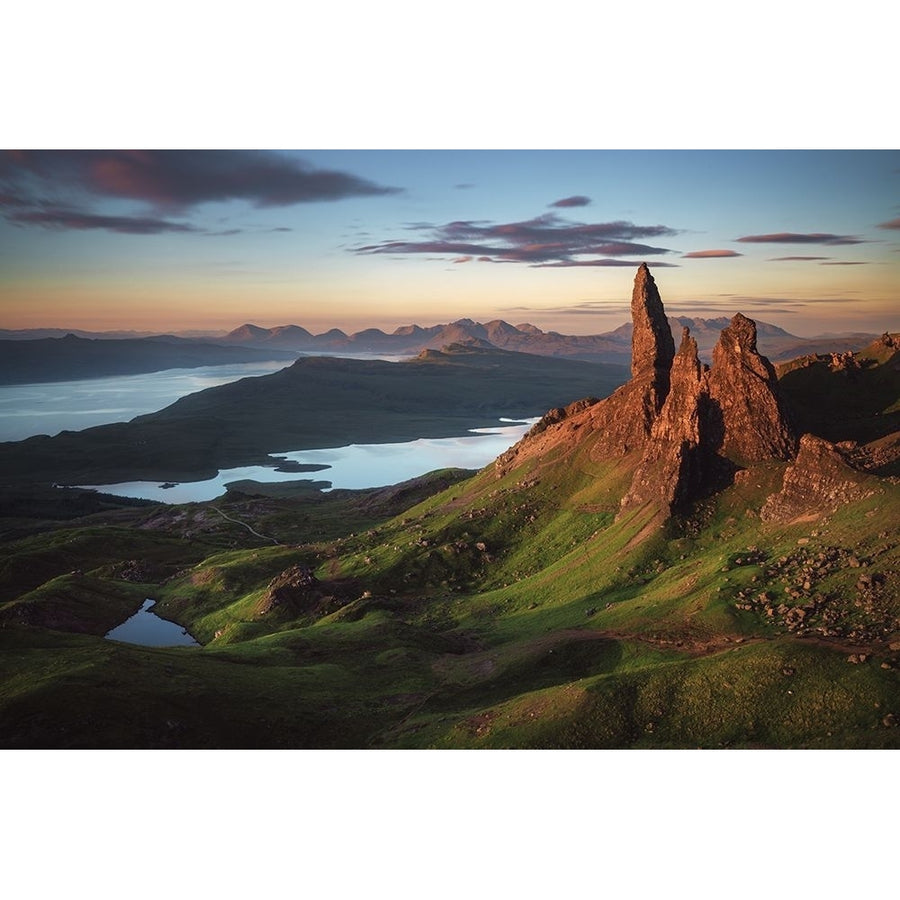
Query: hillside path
{"type": "Point", "coordinates": [264, 537]}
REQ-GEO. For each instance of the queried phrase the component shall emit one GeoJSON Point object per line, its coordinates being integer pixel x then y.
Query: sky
{"type": "Point", "coordinates": [177, 240]}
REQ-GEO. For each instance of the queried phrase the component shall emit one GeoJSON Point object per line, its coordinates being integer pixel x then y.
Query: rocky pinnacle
{"type": "Point", "coordinates": [744, 389]}
{"type": "Point", "coordinates": [652, 346]}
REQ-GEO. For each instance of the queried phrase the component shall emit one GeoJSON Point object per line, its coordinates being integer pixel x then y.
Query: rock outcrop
{"type": "Point", "coordinates": [744, 392]}
{"type": "Point", "coordinates": [712, 419]}
{"type": "Point", "coordinates": [686, 425]}
{"type": "Point", "coordinates": [294, 591]}
{"type": "Point", "coordinates": [819, 482]}
{"type": "Point", "coordinates": [671, 470]}
{"type": "Point", "coordinates": [652, 346]}
{"type": "Point", "coordinates": [621, 423]}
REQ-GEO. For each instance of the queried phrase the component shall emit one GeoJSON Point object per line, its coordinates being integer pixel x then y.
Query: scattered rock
{"type": "Point", "coordinates": [295, 590]}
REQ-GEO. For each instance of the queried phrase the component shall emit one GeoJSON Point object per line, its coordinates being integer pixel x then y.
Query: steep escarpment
{"type": "Point", "coordinates": [683, 426]}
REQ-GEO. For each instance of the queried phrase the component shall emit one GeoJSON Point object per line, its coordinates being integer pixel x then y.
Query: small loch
{"type": "Point", "coordinates": [148, 629]}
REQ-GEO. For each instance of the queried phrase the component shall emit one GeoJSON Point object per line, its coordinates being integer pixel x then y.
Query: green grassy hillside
{"type": "Point", "coordinates": [513, 608]}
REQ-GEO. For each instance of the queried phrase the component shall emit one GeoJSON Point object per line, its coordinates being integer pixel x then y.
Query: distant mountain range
{"type": "Point", "coordinates": [611, 347]}
{"type": "Point", "coordinates": [30, 356]}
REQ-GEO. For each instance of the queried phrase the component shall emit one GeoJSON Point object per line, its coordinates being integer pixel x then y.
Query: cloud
{"type": "Point", "coordinates": [546, 239]}
{"type": "Point", "coordinates": [893, 224]}
{"type": "Point", "coordinates": [463, 259]}
{"type": "Point", "coordinates": [81, 221]}
{"type": "Point", "coordinates": [843, 264]}
{"type": "Point", "coordinates": [710, 254]}
{"type": "Point", "coordinates": [587, 307]}
{"type": "Point", "coordinates": [796, 258]}
{"type": "Point", "coordinates": [463, 187]}
{"type": "Point", "coordinates": [567, 202]}
{"type": "Point", "coordinates": [788, 237]}
{"type": "Point", "coordinates": [180, 179]}
{"type": "Point", "coordinates": [569, 263]}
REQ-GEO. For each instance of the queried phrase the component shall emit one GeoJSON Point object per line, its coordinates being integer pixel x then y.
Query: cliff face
{"type": "Point", "coordinates": [730, 414]}
{"type": "Point", "coordinates": [671, 469]}
{"type": "Point", "coordinates": [689, 423]}
{"type": "Point", "coordinates": [819, 481]}
{"type": "Point", "coordinates": [743, 388]}
{"type": "Point", "coordinates": [652, 347]}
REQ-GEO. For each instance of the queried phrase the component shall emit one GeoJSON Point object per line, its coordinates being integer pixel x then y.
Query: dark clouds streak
{"type": "Point", "coordinates": [544, 241]}
{"type": "Point", "coordinates": [58, 188]}
{"type": "Point", "coordinates": [80, 221]}
{"type": "Point", "coordinates": [788, 237]}
{"type": "Point", "coordinates": [181, 179]}
{"type": "Point", "coordinates": [599, 262]}
{"type": "Point", "coordinates": [568, 202]}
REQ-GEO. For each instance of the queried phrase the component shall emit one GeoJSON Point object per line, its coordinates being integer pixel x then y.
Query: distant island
{"type": "Point", "coordinates": [71, 358]}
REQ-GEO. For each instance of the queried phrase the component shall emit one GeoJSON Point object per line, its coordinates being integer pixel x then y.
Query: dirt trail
{"type": "Point", "coordinates": [252, 531]}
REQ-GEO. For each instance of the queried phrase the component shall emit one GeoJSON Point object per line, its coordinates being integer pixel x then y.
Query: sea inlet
{"type": "Point", "coordinates": [355, 466]}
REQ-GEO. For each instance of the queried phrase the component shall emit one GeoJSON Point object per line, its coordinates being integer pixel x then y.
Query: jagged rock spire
{"type": "Point", "coordinates": [652, 346]}
{"type": "Point", "coordinates": [710, 420]}
{"type": "Point", "coordinates": [692, 427]}
{"type": "Point", "coordinates": [652, 352]}
{"type": "Point", "coordinates": [671, 469]}
{"type": "Point", "coordinates": [744, 391]}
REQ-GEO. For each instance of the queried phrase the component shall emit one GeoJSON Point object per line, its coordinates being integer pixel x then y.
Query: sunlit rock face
{"type": "Point", "coordinates": [743, 389]}
{"type": "Point", "coordinates": [819, 482]}
{"type": "Point", "coordinates": [652, 346]}
{"type": "Point", "coordinates": [672, 468]}
{"type": "Point", "coordinates": [685, 428]}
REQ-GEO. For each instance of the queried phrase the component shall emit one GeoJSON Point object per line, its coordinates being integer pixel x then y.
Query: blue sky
{"type": "Point", "coordinates": [162, 241]}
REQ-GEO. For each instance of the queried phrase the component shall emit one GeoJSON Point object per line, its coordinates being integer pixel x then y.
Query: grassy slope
{"type": "Point", "coordinates": [571, 634]}
{"type": "Point", "coordinates": [499, 612]}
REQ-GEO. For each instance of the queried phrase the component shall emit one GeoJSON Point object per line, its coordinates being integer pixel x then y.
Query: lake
{"type": "Point", "coordinates": [149, 630]}
{"type": "Point", "coordinates": [354, 466]}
